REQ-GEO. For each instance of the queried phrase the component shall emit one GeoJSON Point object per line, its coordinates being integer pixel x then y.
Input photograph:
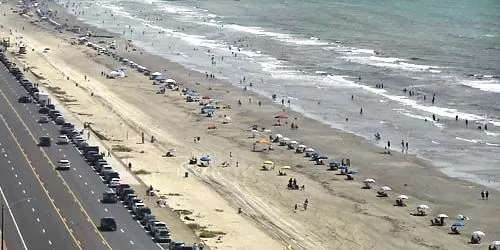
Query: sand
{"type": "Point", "coordinates": [340, 214]}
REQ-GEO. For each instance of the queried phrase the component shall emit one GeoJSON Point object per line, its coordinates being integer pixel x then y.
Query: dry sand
{"type": "Point", "coordinates": [340, 215]}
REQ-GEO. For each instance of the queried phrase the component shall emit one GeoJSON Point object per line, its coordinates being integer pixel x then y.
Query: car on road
{"type": "Point", "coordinates": [25, 99]}
{"type": "Point", "coordinates": [63, 164]}
{"type": "Point", "coordinates": [108, 224]}
{"type": "Point", "coordinates": [62, 140]}
{"type": "Point", "coordinates": [43, 119]}
{"type": "Point", "coordinates": [114, 182]}
{"type": "Point", "coordinates": [162, 235]}
{"type": "Point", "coordinates": [44, 141]}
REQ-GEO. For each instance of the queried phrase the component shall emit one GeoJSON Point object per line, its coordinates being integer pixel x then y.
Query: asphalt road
{"type": "Point", "coordinates": [75, 192]}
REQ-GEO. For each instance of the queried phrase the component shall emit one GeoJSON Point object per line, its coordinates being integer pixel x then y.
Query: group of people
{"type": "Point", "coordinates": [485, 194]}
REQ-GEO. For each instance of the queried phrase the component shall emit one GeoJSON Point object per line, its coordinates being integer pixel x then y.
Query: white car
{"type": "Point", "coordinates": [62, 139]}
{"type": "Point", "coordinates": [63, 164]}
{"type": "Point", "coordinates": [114, 182]}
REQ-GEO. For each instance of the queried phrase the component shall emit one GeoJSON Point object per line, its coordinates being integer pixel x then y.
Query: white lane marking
{"type": "Point", "coordinates": [131, 242]}
{"type": "Point", "coordinates": [8, 161]}
{"type": "Point", "coordinates": [15, 175]}
{"type": "Point", "coordinates": [12, 168]}
{"type": "Point", "coordinates": [122, 231]}
{"type": "Point", "coordinates": [50, 242]}
{"type": "Point", "coordinates": [105, 209]}
{"type": "Point", "coordinates": [24, 191]}
{"type": "Point", "coordinates": [60, 150]}
{"type": "Point", "coordinates": [79, 175]}
{"type": "Point", "coordinates": [43, 230]}
{"type": "Point", "coordinates": [64, 156]}
{"type": "Point", "coordinates": [33, 209]}
{"type": "Point", "coordinates": [19, 182]}
{"type": "Point", "coordinates": [86, 184]}
{"type": "Point", "coordinates": [37, 219]}
{"type": "Point", "coordinates": [5, 155]}
{"type": "Point", "coordinates": [92, 192]}
{"type": "Point", "coordinates": [13, 219]}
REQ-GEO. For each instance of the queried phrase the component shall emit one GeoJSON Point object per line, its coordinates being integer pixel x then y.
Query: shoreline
{"type": "Point", "coordinates": [339, 137]}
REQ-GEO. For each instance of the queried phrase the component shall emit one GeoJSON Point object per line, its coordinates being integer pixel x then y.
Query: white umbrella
{"type": "Point", "coordinates": [423, 206]}
{"type": "Point", "coordinates": [310, 150]}
{"type": "Point", "coordinates": [171, 81]}
{"type": "Point", "coordinates": [403, 197]}
{"type": "Point", "coordinates": [442, 216]}
{"type": "Point", "coordinates": [369, 181]}
{"type": "Point", "coordinates": [156, 74]}
{"type": "Point", "coordinates": [478, 234]}
{"type": "Point", "coordinates": [126, 60]}
{"type": "Point", "coordinates": [495, 243]}
{"type": "Point", "coordinates": [278, 135]}
{"type": "Point", "coordinates": [385, 188]}
{"type": "Point", "coordinates": [286, 139]}
{"type": "Point", "coordinates": [293, 142]}
{"type": "Point", "coordinates": [302, 146]}
{"type": "Point", "coordinates": [462, 217]}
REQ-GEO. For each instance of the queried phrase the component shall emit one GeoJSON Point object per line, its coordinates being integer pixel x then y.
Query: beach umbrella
{"type": "Point", "coordinates": [281, 116]}
{"type": "Point", "coordinates": [206, 97]}
{"type": "Point", "coordinates": [495, 243]}
{"type": "Point", "coordinates": [478, 234]}
{"type": "Point", "coordinates": [263, 141]}
{"type": "Point", "coordinates": [458, 224]}
{"type": "Point", "coordinates": [155, 73]}
{"type": "Point", "coordinates": [310, 150]}
{"type": "Point", "coordinates": [462, 217]}
{"type": "Point", "coordinates": [126, 60]}
{"type": "Point", "coordinates": [228, 118]}
{"type": "Point", "coordinates": [403, 197]}
{"type": "Point", "coordinates": [302, 146]}
{"type": "Point", "coordinates": [293, 142]}
{"type": "Point", "coordinates": [278, 135]}
{"type": "Point", "coordinates": [369, 181]}
{"type": "Point", "coordinates": [286, 139]}
{"type": "Point", "coordinates": [286, 167]}
{"type": "Point", "coordinates": [385, 188]}
{"type": "Point", "coordinates": [209, 111]}
{"type": "Point", "coordinates": [268, 163]}
{"type": "Point", "coordinates": [170, 81]}
{"type": "Point", "coordinates": [342, 167]}
{"type": "Point", "coordinates": [322, 157]}
{"type": "Point", "coordinates": [423, 206]}
{"type": "Point", "coordinates": [442, 216]}
{"type": "Point", "coordinates": [205, 158]}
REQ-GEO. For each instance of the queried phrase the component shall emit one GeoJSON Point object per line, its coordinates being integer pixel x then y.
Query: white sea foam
{"type": "Point", "coordinates": [467, 140]}
{"type": "Point", "coordinates": [491, 85]}
{"type": "Point", "coordinates": [390, 62]}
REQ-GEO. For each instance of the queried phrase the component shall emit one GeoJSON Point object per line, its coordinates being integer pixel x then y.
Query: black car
{"type": "Point", "coordinates": [44, 141]}
{"type": "Point", "coordinates": [25, 99]}
{"type": "Point", "coordinates": [43, 110]}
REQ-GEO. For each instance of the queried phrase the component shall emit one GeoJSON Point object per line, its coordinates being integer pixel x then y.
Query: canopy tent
{"type": "Point", "coordinates": [403, 197]}
{"type": "Point", "coordinates": [205, 158]}
{"type": "Point", "coordinates": [369, 181]}
{"type": "Point", "coordinates": [385, 188]}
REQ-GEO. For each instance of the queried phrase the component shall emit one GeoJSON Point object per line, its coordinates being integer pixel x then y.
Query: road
{"type": "Point", "coordinates": [75, 193]}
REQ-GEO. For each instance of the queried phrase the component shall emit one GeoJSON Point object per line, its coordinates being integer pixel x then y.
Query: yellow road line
{"type": "Point", "coordinates": [53, 165]}
{"type": "Point", "coordinates": [40, 182]}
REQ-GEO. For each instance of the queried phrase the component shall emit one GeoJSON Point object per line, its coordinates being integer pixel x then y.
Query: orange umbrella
{"type": "Point", "coordinates": [263, 141]}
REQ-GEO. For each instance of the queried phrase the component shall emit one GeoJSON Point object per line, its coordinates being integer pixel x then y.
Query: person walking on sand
{"type": "Point", "coordinates": [482, 194]}
{"type": "Point", "coordinates": [361, 111]}
{"type": "Point", "coordinates": [296, 206]}
{"type": "Point", "coordinates": [406, 147]}
{"type": "Point", "coordinates": [402, 146]}
{"type": "Point", "coordinates": [306, 202]}
{"type": "Point", "coordinates": [487, 194]}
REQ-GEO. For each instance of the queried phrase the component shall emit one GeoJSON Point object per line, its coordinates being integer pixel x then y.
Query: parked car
{"type": "Point", "coordinates": [43, 110]}
{"type": "Point", "coordinates": [43, 119]}
{"type": "Point", "coordinates": [59, 120]}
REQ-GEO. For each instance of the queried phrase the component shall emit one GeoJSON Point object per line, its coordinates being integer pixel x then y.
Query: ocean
{"type": "Point", "coordinates": [319, 53]}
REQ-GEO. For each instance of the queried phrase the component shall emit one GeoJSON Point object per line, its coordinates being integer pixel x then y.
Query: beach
{"type": "Point", "coordinates": [340, 214]}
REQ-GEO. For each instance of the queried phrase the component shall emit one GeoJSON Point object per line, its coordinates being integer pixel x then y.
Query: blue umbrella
{"type": "Point", "coordinates": [342, 167]}
{"type": "Point", "coordinates": [458, 224]}
{"type": "Point", "coordinates": [205, 158]}
{"type": "Point", "coordinates": [322, 157]}
{"type": "Point", "coordinates": [208, 111]}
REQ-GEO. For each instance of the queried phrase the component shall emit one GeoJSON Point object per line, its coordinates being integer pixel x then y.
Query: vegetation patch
{"type": "Point", "coordinates": [120, 148]}
{"type": "Point", "coordinates": [67, 100]}
{"type": "Point", "coordinates": [99, 134]}
{"type": "Point", "coordinates": [195, 226]}
{"type": "Point", "coordinates": [184, 211]}
{"type": "Point", "coordinates": [56, 90]}
{"type": "Point", "coordinates": [210, 234]}
{"type": "Point", "coordinates": [141, 171]}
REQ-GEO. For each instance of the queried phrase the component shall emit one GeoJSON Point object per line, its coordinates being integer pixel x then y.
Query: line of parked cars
{"type": "Point", "coordinates": [118, 191]}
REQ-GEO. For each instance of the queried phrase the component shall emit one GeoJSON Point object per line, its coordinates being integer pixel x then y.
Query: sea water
{"type": "Point", "coordinates": [319, 53]}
